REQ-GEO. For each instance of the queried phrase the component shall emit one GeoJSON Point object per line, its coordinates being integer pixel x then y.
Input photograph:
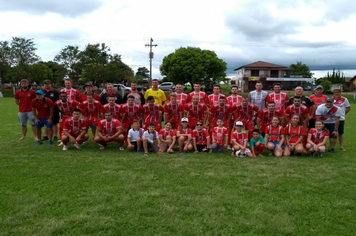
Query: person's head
{"type": "Point", "coordinates": [329, 102]}
{"type": "Point", "coordinates": [111, 100]}
{"type": "Point", "coordinates": [199, 125]}
{"type": "Point", "coordinates": [24, 84]}
{"type": "Point", "coordinates": [108, 115]}
{"type": "Point", "coordinates": [271, 105]}
{"type": "Point", "coordinates": [319, 125]}
{"type": "Point", "coordinates": [337, 92]}
{"type": "Point", "coordinates": [76, 114]}
{"type": "Point", "coordinates": [173, 98]}
{"type": "Point", "coordinates": [234, 90]}
{"type": "Point", "coordinates": [168, 125]}
{"type": "Point", "coordinates": [297, 101]}
{"type": "Point", "coordinates": [184, 123]}
{"type": "Point", "coordinates": [110, 88]}
{"type": "Point", "coordinates": [275, 121]}
{"type": "Point", "coordinates": [220, 122]}
{"type": "Point", "coordinates": [89, 88]}
{"type": "Point", "coordinates": [90, 97]}
{"type": "Point", "coordinates": [133, 86]}
{"type": "Point", "coordinates": [238, 126]}
{"type": "Point", "coordinates": [130, 100]}
{"type": "Point", "coordinates": [155, 83]}
{"type": "Point", "coordinates": [244, 101]}
{"type": "Point", "coordinates": [40, 95]}
{"type": "Point", "coordinates": [319, 90]}
{"type": "Point", "coordinates": [216, 89]}
{"type": "Point", "coordinates": [151, 101]}
{"type": "Point", "coordinates": [299, 91]}
{"type": "Point", "coordinates": [259, 86]}
{"type": "Point", "coordinates": [277, 87]}
{"type": "Point", "coordinates": [197, 87]}
{"type": "Point", "coordinates": [47, 84]}
{"type": "Point", "coordinates": [222, 101]}
{"type": "Point", "coordinates": [67, 83]}
{"type": "Point", "coordinates": [151, 127]}
{"type": "Point", "coordinates": [63, 96]}
{"type": "Point", "coordinates": [296, 120]}
{"type": "Point", "coordinates": [179, 88]}
{"type": "Point", "coordinates": [256, 133]}
{"type": "Point", "coordinates": [136, 124]}
{"type": "Point", "coordinates": [195, 99]}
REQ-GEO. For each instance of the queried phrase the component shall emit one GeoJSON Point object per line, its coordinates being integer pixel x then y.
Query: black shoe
{"type": "Point", "coordinates": [331, 150]}
{"type": "Point", "coordinates": [55, 139]}
{"type": "Point", "coordinates": [45, 138]}
{"type": "Point", "coordinates": [299, 154]}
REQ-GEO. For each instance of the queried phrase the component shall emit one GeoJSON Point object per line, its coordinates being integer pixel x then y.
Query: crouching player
{"type": "Point", "coordinates": [201, 138]}
{"type": "Point", "coordinates": [239, 140]}
{"type": "Point", "coordinates": [257, 143]}
{"type": "Point", "coordinates": [109, 130]}
{"type": "Point", "coordinates": [219, 138]}
{"type": "Point", "coordinates": [150, 139]}
{"type": "Point", "coordinates": [134, 138]}
{"type": "Point", "coordinates": [167, 136]}
{"type": "Point", "coordinates": [295, 133]}
{"type": "Point", "coordinates": [75, 130]}
{"type": "Point", "coordinates": [274, 137]}
{"type": "Point", "coordinates": [317, 139]}
{"type": "Point", "coordinates": [184, 135]}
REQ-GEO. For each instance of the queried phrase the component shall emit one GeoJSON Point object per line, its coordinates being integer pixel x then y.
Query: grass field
{"type": "Point", "coordinates": [46, 191]}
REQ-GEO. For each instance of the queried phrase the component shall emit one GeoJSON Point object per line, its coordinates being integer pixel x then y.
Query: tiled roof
{"type": "Point", "coordinates": [260, 65]}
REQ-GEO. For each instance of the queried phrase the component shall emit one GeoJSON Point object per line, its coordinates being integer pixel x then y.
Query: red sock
{"type": "Point", "coordinates": [260, 148]}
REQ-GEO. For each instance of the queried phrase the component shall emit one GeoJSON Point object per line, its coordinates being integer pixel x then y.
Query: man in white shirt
{"type": "Point", "coordinates": [258, 97]}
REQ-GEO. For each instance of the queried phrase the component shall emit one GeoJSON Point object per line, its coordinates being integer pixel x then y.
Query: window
{"type": "Point", "coordinates": [255, 73]}
{"type": "Point", "coordinates": [274, 73]}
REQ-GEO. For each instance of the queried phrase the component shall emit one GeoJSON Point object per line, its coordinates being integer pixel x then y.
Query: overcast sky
{"type": "Point", "coordinates": [321, 34]}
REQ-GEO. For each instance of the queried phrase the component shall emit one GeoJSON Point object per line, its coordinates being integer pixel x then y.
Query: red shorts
{"type": "Point", "coordinates": [127, 124]}
{"type": "Point", "coordinates": [74, 135]}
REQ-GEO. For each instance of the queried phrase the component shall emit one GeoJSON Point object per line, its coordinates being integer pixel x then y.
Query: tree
{"type": "Point", "coordinates": [69, 58]}
{"type": "Point", "coordinates": [326, 84]}
{"type": "Point", "coordinates": [5, 55]}
{"type": "Point", "coordinates": [58, 72]}
{"type": "Point", "coordinates": [336, 77]}
{"type": "Point", "coordinates": [300, 69]}
{"type": "Point", "coordinates": [143, 71]}
{"type": "Point", "coordinates": [190, 65]}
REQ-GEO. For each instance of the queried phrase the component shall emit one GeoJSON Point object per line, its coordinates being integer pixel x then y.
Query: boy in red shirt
{"type": "Point", "coordinates": [219, 137]}
{"type": "Point", "coordinates": [66, 108]}
{"type": "Point", "coordinates": [174, 110]}
{"type": "Point", "coordinates": [239, 140]}
{"type": "Point", "coordinates": [75, 130]}
{"type": "Point", "coordinates": [201, 138]}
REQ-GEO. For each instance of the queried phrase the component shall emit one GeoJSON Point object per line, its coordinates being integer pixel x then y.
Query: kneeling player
{"type": "Point", "coordinates": [75, 130]}
{"type": "Point", "coordinates": [239, 140]}
{"type": "Point", "coordinates": [167, 136]}
{"type": "Point", "coordinates": [109, 130]}
{"type": "Point", "coordinates": [184, 134]}
{"type": "Point", "coordinates": [201, 137]}
{"type": "Point", "coordinates": [134, 138]}
{"type": "Point", "coordinates": [150, 139]}
{"type": "Point", "coordinates": [274, 137]}
{"type": "Point", "coordinates": [257, 143]}
{"type": "Point", "coordinates": [219, 138]}
{"type": "Point", "coordinates": [317, 139]}
{"type": "Point", "coordinates": [295, 133]}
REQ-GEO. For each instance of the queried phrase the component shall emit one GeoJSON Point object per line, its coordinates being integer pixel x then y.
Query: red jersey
{"type": "Point", "coordinates": [274, 133]}
{"type": "Point", "coordinates": [75, 127]}
{"type": "Point", "coordinates": [234, 100]}
{"type": "Point", "coordinates": [317, 101]}
{"type": "Point", "coordinates": [220, 134]}
{"type": "Point", "coordinates": [25, 98]}
{"type": "Point", "coordinates": [114, 109]}
{"type": "Point", "coordinates": [318, 137]}
{"type": "Point", "coordinates": [181, 98]}
{"type": "Point", "coordinates": [220, 112]}
{"type": "Point", "coordinates": [92, 110]}
{"type": "Point", "coordinates": [83, 97]}
{"type": "Point", "coordinates": [172, 111]}
{"type": "Point", "coordinates": [151, 114]}
{"type": "Point", "coordinates": [109, 128]}
{"type": "Point", "coordinates": [201, 137]}
{"type": "Point", "coordinates": [294, 132]}
{"type": "Point", "coordinates": [302, 111]}
{"type": "Point", "coordinates": [163, 133]}
{"type": "Point", "coordinates": [203, 98]}
{"type": "Point", "coordinates": [131, 113]}
{"type": "Point", "coordinates": [214, 99]}
{"type": "Point", "coordinates": [245, 113]}
{"type": "Point", "coordinates": [280, 100]}
{"type": "Point", "coordinates": [265, 116]}
{"type": "Point", "coordinates": [185, 131]}
{"type": "Point", "coordinates": [72, 94]}
{"type": "Point", "coordinates": [196, 112]}
{"type": "Point", "coordinates": [66, 108]}
{"type": "Point", "coordinates": [43, 108]}
{"type": "Point", "coordinates": [239, 137]}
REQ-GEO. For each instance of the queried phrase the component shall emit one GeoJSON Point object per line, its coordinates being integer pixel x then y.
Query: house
{"type": "Point", "coordinates": [267, 73]}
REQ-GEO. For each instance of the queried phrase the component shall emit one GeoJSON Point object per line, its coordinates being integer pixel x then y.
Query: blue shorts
{"type": "Point", "coordinates": [43, 121]}
{"type": "Point", "coordinates": [276, 144]}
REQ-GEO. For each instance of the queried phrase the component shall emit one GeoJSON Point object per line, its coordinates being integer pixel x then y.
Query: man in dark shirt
{"type": "Point", "coordinates": [304, 100]}
{"type": "Point", "coordinates": [139, 98]}
{"type": "Point", "coordinates": [53, 95]}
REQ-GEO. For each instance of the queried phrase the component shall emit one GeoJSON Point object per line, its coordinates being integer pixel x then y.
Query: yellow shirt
{"type": "Point", "coordinates": [159, 96]}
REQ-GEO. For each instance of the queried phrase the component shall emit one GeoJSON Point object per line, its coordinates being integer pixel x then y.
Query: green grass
{"type": "Point", "coordinates": [46, 191]}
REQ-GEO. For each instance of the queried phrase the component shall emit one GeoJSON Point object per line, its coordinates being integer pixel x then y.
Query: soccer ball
{"type": "Point", "coordinates": [240, 154]}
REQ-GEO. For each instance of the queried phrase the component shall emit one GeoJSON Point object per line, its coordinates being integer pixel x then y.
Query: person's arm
{"type": "Point", "coordinates": [84, 131]}
{"type": "Point", "coordinates": [309, 139]}
{"type": "Point", "coordinates": [17, 101]}
{"type": "Point", "coordinates": [118, 132]}
{"type": "Point", "coordinates": [347, 110]}
{"type": "Point", "coordinates": [34, 111]}
{"type": "Point", "coordinates": [266, 139]}
{"type": "Point", "coordinates": [313, 109]}
{"type": "Point", "coordinates": [323, 143]}
{"type": "Point", "coordinates": [212, 137]}
{"type": "Point", "coordinates": [173, 142]}
{"type": "Point", "coordinates": [100, 134]}
{"type": "Point", "coordinates": [337, 123]}
{"type": "Point", "coordinates": [281, 142]}
{"type": "Point", "coordinates": [49, 121]}
{"type": "Point", "coordinates": [253, 150]}
{"type": "Point", "coordinates": [206, 115]}
{"type": "Point", "coordinates": [258, 123]}
{"type": "Point", "coordinates": [226, 140]}
{"type": "Point", "coordinates": [69, 135]}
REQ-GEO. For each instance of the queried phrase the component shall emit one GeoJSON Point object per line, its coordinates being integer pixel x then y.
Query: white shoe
{"type": "Point", "coordinates": [65, 148]}
{"type": "Point", "coordinates": [260, 155]}
{"type": "Point", "coordinates": [83, 144]}
{"type": "Point", "coordinates": [270, 154]}
{"type": "Point", "coordinates": [102, 147]}
{"type": "Point", "coordinates": [121, 148]}
{"type": "Point", "coordinates": [77, 146]}
{"type": "Point", "coordinates": [228, 147]}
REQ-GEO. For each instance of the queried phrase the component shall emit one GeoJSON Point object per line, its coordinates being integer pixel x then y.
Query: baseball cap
{"type": "Point", "coordinates": [40, 92]}
{"type": "Point", "coordinates": [46, 81]}
{"type": "Point", "coordinates": [88, 84]}
{"type": "Point", "coordinates": [319, 87]}
{"type": "Point", "coordinates": [239, 123]}
{"type": "Point", "coordinates": [336, 88]}
{"type": "Point", "coordinates": [329, 100]}
{"type": "Point", "coordinates": [184, 119]}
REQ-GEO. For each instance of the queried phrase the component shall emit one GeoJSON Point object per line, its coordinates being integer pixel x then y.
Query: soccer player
{"type": "Point", "coordinates": [75, 130]}
{"type": "Point", "coordinates": [181, 96]}
{"type": "Point", "coordinates": [297, 108]}
{"type": "Point", "coordinates": [258, 97]}
{"type": "Point", "coordinates": [134, 137]}
{"type": "Point", "coordinates": [184, 136]}
{"type": "Point", "coordinates": [222, 111]}
{"type": "Point", "coordinates": [318, 98]}
{"type": "Point", "coordinates": [174, 110]}
{"type": "Point", "coordinates": [195, 111]}
{"type": "Point", "coordinates": [219, 138]}
{"type": "Point", "coordinates": [294, 134]}
{"type": "Point", "coordinates": [152, 113]}
{"type": "Point", "coordinates": [151, 139]}
{"type": "Point", "coordinates": [72, 93]}
{"type": "Point", "coordinates": [317, 138]}
{"type": "Point", "coordinates": [109, 130]}
{"type": "Point", "coordinates": [344, 106]}
{"type": "Point", "coordinates": [42, 109]}
{"type": "Point", "coordinates": [239, 140]}
{"type": "Point", "coordinates": [234, 98]}
{"type": "Point", "coordinates": [330, 114]}
{"type": "Point", "coordinates": [93, 111]}
{"type": "Point", "coordinates": [52, 94]}
{"type": "Point", "coordinates": [274, 137]}
{"type": "Point", "coordinates": [158, 94]}
{"type": "Point", "coordinates": [167, 137]}
{"type": "Point", "coordinates": [265, 116]}
{"type": "Point", "coordinates": [214, 98]}
{"type": "Point", "coordinates": [139, 98]}
{"type": "Point", "coordinates": [246, 113]}
{"type": "Point", "coordinates": [202, 97]}
{"type": "Point", "coordinates": [110, 91]}
{"type": "Point", "coordinates": [201, 138]}
{"type": "Point", "coordinates": [130, 111]}
{"type": "Point", "coordinates": [113, 107]}
{"type": "Point", "coordinates": [279, 98]}
{"type": "Point", "coordinates": [88, 89]}
{"type": "Point", "coordinates": [23, 98]}
{"type": "Point", "coordinates": [257, 143]}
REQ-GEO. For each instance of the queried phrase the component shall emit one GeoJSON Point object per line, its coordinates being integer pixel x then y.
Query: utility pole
{"type": "Point", "coordinates": [150, 55]}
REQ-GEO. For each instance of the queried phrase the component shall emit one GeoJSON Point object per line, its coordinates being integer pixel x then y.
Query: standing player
{"type": "Point", "coordinates": [195, 111]}
{"type": "Point", "coordinates": [52, 94]}
{"type": "Point", "coordinates": [184, 136]}
{"type": "Point", "coordinates": [258, 97]}
{"type": "Point", "coordinates": [201, 138]}
{"type": "Point", "coordinates": [93, 111]}
{"type": "Point", "coordinates": [88, 89]}
{"type": "Point", "coordinates": [233, 100]}
{"type": "Point", "coordinates": [139, 98]}
{"type": "Point", "coordinates": [152, 113]}
{"type": "Point", "coordinates": [215, 97]}
{"type": "Point", "coordinates": [110, 91]}
{"type": "Point", "coordinates": [130, 111]}
{"type": "Point", "coordinates": [279, 98]}
{"type": "Point", "coordinates": [167, 137]}
{"type": "Point", "coordinates": [75, 130]}
{"type": "Point", "coordinates": [317, 138]}
{"type": "Point", "coordinates": [297, 108]}
{"type": "Point", "coordinates": [202, 97]}
{"type": "Point", "coordinates": [72, 93]}
{"type": "Point", "coordinates": [265, 116]}
{"type": "Point", "coordinates": [181, 96]}
{"type": "Point", "coordinates": [318, 98]}
{"type": "Point", "coordinates": [294, 133]}
{"type": "Point", "coordinates": [174, 111]}
{"type": "Point", "coordinates": [246, 113]}
{"type": "Point", "coordinates": [113, 107]}
{"type": "Point", "coordinates": [23, 98]}
{"type": "Point", "coordinates": [274, 137]}
{"type": "Point", "coordinates": [109, 130]}
{"type": "Point", "coordinates": [158, 94]}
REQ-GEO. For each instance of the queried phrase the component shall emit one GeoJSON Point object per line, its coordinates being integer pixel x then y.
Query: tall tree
{"type": "Point", "coordinates": [189, 65]}
{"type": "Point", "coordinates": [300, 69]}
{"type": "Point", "coordinates": [23, 52]}
{"type": "Point", "coordinates": [58, 72]}
{"type": "Point", "coordinates": [69, 57]}
{"type": "Point", "coordinates": [143, 71]}
{"type": "Point", "coordinates": [5, 58]}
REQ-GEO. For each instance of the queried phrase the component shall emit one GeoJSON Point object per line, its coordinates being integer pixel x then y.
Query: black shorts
{"type": "Point", "coordinates": [201, 147]}
{"type": "Point", "coordinates": [341, 127]}
{"type": "Point", "coordinates": [331, 128]}
{"type": "Point", "coordinates": [135, 145]}
{"type": "Point", "coordinates": [55, 118]}
{"type": "Point", "coordinates": [311, 123]}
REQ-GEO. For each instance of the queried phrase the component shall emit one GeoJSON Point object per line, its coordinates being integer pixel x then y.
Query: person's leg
{"type": "Point", "coordinates": [164, 147]}
{"type": "Point", "coordinates": [144, 143]}
{"type": "Point", "coordinates": [189, 147]}
{"type": "Point", "coordinates": [278, 153]}
{"type": "Point", "coordinates": [139, 143]}
{"type": "Point", "coordinates": [49, 129]}
{"type": "Point", "coordinates": [309, 147]}
{"type": "Point", "coordinates": [24, 131]}
{"type": "Point", "coordinates": [23, 122]}
{"type": "Point", "coordinates": [38, 134]}
{"type": "Point", "coordinates": [321, 149]}
{"type": "Point", "coordinates": [341, 134]}
{"type": "Point", "coordinates": [181, 143]}
{"type": "Point", "coordinates": [286, 151]}
{"type": "Point", "coordinates": [299, 148]}
{"type": "Point", "coordinates": [55, 130]}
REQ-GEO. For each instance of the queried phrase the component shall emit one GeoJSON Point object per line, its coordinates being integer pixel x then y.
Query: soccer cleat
{"type": "Point", "coordinates": [270, 154]}
{"type": "Point", "coordinates": [65, 148]}
{"type": "Point", "coordinates": [342, 149]}
{"type": "Point", "coordinates": [320, 154]}
{"type": "Point", "coordinates": [312, 154]}
{"type": "Point", "coordinates": [38, 143]}
{"type": "Point", "coordinates": [77, 146]}
{"type": "Point", "coordinates": [121, 148]}
{"type": "Point", "coordinates": [181, 151]}
{"type": "Point", "coordinates": [228, 147]}
{"type": "Point", "coordinates": [102, 147]}
{"type": "Point", "coordinates": [50, 143]}
{"type": "Point", "coordinates": [331, 150]}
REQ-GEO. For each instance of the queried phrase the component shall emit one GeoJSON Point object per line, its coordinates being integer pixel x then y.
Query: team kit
{"type": "Point", "coordinates": [193, 122]}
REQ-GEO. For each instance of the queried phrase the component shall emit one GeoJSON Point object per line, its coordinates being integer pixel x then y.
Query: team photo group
{"type": "Point", "coordinates": [273, 123]}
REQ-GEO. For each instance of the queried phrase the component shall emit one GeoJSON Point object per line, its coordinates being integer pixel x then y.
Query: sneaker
{"type": "Point", "coordinates": [65, 148]}
{"type": "Point", "coordinates": [299, 154]}
{"type": "Point", "coordinates": [211, 151]}
{"type": "Point", "coordinates": [312, 154]}
{"type": "Point", "coordinates": [331, 150]}
{"type": "Point", "coordinates": [59, 140]}
{"type": "Point", "coordinates": [320, 154]}
{"type": "Point", "coordinates": [93, 140]}
{"type": "Point", "coordinates": [38, 143]}
{"type": "Point", "coordinates": [45, 138]}
{"type": "Point", "coordinates": [181, 151]}
{"type": "Point", "coordinates": [270, 154]}
{"type": "Point", "coordinates": [342, 149]}
{"type": "Point", "coordinates": [138, 151]}
{"type": "Point", "coordinates": [121, 148]}
{"type": "Point", "coordinates": [102, 147]}
{"type": "Point", "coordinates": [50, 143]}
{"type": "Point", "coordinates": [77, 146]}
{"type": "Point", "coordinates": [228, 147]}
{"type": "Point", "coordinates": [55, 139]}
{"type": "Point", "coordinates": [260, 155]}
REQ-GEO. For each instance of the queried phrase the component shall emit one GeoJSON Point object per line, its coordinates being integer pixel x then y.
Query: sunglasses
{"type": "Point", "coordinates": [199, 124]}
